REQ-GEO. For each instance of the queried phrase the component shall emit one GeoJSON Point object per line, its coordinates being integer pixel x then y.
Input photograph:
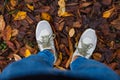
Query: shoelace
{"type": "Point", "coordinates": [46, 40]}
{"type": "Point", "coordinates": [85, 48]}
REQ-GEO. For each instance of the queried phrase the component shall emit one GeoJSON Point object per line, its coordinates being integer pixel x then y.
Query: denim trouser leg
{"type": "Point", "coordinates": [32, 65]}
{"type": "Point", "coordinates": [92, 69]}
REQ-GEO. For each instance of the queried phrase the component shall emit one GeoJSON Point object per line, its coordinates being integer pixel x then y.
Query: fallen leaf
{"type": "Point", "coordinates": [45, 16]}
{"type": "Point", "coordinates": [30, 7]}
{"type": "Point", "coordinates": [27, 53]}
{"type": "Point", "coordinates": [15, 32]}
{"type": "Point", "coordinates": [29, 19]}
{"type": "Point", "coordinates": [20, 15]}
{"type": "Point", "coordinates": [97, 56]}
{"type": "Point", "coordinates": [7, 33]}
{"type": "Point", "coordinates": [108, 13]}
{"type": "Point", "coordinates": [106, 2]}
{"type": "Point", "coordinates": [71, 32]}
{"type": "Point", "coordinates": [62, 12]}
{"type": "Point", "coordinates": [118, 53]}
{"type": "Point", "coordinates": [10, 45]}
{"type": "Point", "coordinates": [86, 4]}
{"type": "Point", "coordinates": [116, 23]}
{"type": "Point", "coordinates": [16, 57]}
{"type": "Point", "coordinates": [2, 23]}
{"type": "Point", "coordinates": [113, 65]}
{"type": "Point", "coordinates": [59, 67]}
{"type": "Point", "coordinates": [59, 60]}
{"type": "Point", "coordinates": [76, 24]}
{"type": "Point", "coordinates": [13, 2]}
{"type": "Point", "coordinates": [61, 26]}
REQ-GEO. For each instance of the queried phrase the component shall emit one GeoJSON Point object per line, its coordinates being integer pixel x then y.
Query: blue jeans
{"type": "Point", "coordinates": [41, 66]}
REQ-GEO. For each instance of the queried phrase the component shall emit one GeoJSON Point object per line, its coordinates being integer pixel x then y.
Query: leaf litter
{"type": "Point", "coordinates": [69, 19]}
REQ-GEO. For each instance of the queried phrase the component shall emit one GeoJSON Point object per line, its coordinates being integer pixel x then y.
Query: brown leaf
{"type": "Point", "coordinates": [15, 32]}
{"type": "Point", "coordinates": [97, 56]}
{"type": "Point", "coordinates": [13, 2]}
{"type": "Point", "coordinates": [76, 24]}
{"type": "Point", "coordinates": [30, 21]}
{"type": "Point", "coordinates": [106, 2]}
{"type": "Point", "coordinates": [11, 45]}
{"type": "Point", "coordinates": [113, 65]}
{"type": "Point", "coordinates": [7, 33]}
{"type": "Point", "coordinates": [2, 23]}
{"type": "Point", "coordinates": [59, 60]}
{"type": "Point", "coordinates": [116, 23]}
{"type": "Point", "coordinates": [86, 4]}
{"type": "Point", "coordinates": [61, 26]}
{"type": "Point", "coordinates": [118, 53]}
{"type": "Point", "coordinates": [71, 52]}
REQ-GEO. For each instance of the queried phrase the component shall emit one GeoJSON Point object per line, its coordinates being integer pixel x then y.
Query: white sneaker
{"type": "Point", "coordinates": [45, 36]}
{"type": "Point", "coordinates": [87, 44]}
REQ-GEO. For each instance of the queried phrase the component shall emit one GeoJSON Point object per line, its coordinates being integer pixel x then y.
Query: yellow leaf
{"type": "Point", "coordinates": [20, 15]}
{"type": "Point", "coordinates": [71, 32]}
{"type": "Point", "coordinates": [27, 53]}
{"type": "Point", "coordinates": [46, 16]}
{"type": "Point", "coordinates": [61, 11]}
{"type": "Point", "coordinates": [2, 23]}
{"type": "Point", "coordinates": [108, 13]}
{"type": "Point", "coordinates": [30, 7]}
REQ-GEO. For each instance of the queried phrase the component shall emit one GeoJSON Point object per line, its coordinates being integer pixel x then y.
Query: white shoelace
{"type": "Point", "coordinates": [84, 49]}
{"type": "Point", "coordinates": [45, 42]}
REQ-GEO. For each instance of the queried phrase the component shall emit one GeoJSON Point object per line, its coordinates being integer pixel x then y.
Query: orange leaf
{"type": "Point", "coordinates": [108, 13]}
{"type": "Point", "coordinates": [97, 56]}
{"type": "Point", "coordinates": [13, 2]}
{"type": "Point", "coordinates": [27, 53]}
{"type": "Point", "coordinates": [46, 16]}
{"type": "Point", "coordinates": [20, 15]}
{"type": "Point", "coordinates": [2, 23]}
{"type": "Point", "coordinates": [7, 33]}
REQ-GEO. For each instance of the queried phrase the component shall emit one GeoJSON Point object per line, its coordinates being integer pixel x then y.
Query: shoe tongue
{"type": "Point", "coordinates": [87, 40]}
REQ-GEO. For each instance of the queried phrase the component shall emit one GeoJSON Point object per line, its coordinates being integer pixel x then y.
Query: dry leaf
{"type": "Point", "coordinates": [61, 25]}
{"type": "Point", "coordinates": [20, 15]}
{"type": "Point", "coordinates": [116, 23]}
{"type": "Point", "coordinates": [118, 53]}
{"type": "Point", "coordinates": [59, 60]}
{"type": "Point", "coordinates": [16, 57]}
{"type": "Point", "coordinates": [85, 4]}
{"type": "Point", "coordinates": [77, 24]}
{"type": "Point", "coordinates": [29, 19]}
{"type": "Point", "coordinates": [2, 23]}
{"type": "Point", "coordinates": [45, 16]}
{"type": "Point", "coordinates": [71, 32]}
{"type": "Point", "coordinates": [13, 2]}
{"type": "Point", "coordinates": [108, 13]}
{"type": "Point", "coordinates": [15, 32]}
{"type": "Point", "coordinates": [7, 33]}
{"type": "Point", "coordinates": [30, 7]}
{"type": "Point", "coordinates": [27, 53]}
{"type": "Point", "coordinates": [97, 56]}
{"type": "Point", "coordinates": [62, 12]}
{"type": "Point", "coordinates": [106, 2]}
